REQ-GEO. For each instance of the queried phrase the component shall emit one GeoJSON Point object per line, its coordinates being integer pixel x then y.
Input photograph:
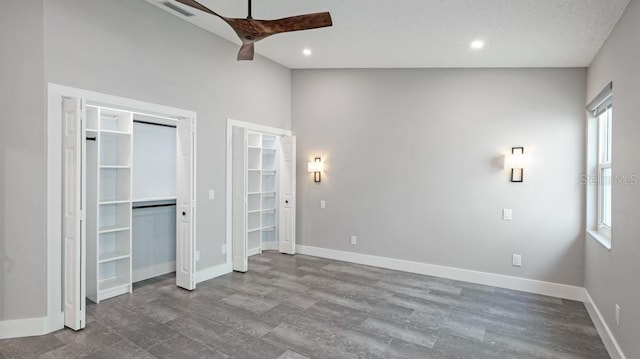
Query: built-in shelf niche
{"type": "Point", "coordinates": [262, 175]}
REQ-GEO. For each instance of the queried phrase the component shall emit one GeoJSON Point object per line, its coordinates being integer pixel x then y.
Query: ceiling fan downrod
{"type": "Point", "coordinates": [249, 15]}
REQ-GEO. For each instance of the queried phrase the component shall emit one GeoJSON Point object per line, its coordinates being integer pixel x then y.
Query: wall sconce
{"type": "Point", "coordinates": [316, 166]}
{"type": "Point", "coordinates": [516, 161]}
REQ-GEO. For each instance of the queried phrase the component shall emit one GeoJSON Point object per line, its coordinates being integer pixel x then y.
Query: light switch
{"type": "Point", "coordinates": [323, 204]}
{"type": "Point", "coordinates": [516, 260]}
{"type": "Point", "coordinates": [507, 214]}
{"type": "Point", "coordinates": [212, 194]}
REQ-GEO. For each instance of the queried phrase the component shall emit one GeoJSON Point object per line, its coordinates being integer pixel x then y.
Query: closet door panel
{"type": "Point", "coordinates": [239, 201]}
{"type": "Point", "coordinates": [287, 195]}
{"type": "Point", "coordinates": [74, 230]}
{"type": "Point", "coordinates": [185, 210]}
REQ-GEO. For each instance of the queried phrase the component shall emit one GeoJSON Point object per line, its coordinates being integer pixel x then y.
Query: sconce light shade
{"type": "Point", "coordinates": [516, 161]}
{"type": "Point", "coordinates": [316, 167]}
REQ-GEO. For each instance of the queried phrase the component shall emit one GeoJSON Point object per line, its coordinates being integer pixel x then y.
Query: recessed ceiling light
{"type": "Point", "coordinates": [477, 44]}
{"type": "Point", "coordinates": [306, 52]}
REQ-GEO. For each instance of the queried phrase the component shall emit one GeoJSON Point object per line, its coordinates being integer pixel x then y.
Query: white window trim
{"type": "Point", "coordinates": [604, 162]}
{"type": "Point", "coordinates": [595, 164]}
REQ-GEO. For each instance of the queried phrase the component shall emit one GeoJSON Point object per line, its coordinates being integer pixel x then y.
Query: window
{"type": "Point", "coordinates": [599, 171]}
{"type": "Point", "coordinates": [603, 114]}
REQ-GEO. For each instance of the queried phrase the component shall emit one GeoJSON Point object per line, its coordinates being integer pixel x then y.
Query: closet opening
{"type": "Point", "coordinates": [262, 178]}
{"type": "Point", "coordinates": [127, 173]}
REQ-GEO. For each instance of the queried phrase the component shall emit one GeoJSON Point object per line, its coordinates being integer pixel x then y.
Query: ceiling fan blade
{"type": "Point", "coordinates": [246, 51]}
{"type": "Point", "coordinates": [251, 30]}
{"type": "Point", "coordinates": [196, 5]}
{"type": "Point", "coordinates": [296, 23]}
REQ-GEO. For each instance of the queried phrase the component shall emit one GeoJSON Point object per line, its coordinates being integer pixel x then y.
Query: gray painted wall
{"type": "Point", "coordinates": [135, 50]}
{"type": "Point", "coordinates": [22, 161]}
{"type": "Point", "coordinates": [612, 277]}
{"type": "Point", "coordinates": [124, 48]}
{"type": "Point", "coordinates": [414, 166]}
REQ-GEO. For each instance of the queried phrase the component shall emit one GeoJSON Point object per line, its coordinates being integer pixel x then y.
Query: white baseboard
{"type": "Point", "coordinates": [466, 275]}
{"type": "Point", "coordinates": [608, 339]}
{"type": "Point", "coordinates": [31, 327]}
{"type": "Point", "coordinates": [213, 272]}
{"type": "Point", "coordinates": [269, 246]}
{"type": "Point", "coordinates": [153, 271]}
{"type": "Point", "coordinates": [254, 251]}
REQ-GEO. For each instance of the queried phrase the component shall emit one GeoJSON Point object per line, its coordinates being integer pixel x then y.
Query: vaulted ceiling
{"type": "Point", "coordinates": [426, 33]}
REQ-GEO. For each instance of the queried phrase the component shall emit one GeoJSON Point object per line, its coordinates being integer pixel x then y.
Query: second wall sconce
{"type": "Point", "coordinates": [516, 161]}
{"type": "Point", "coordinates": [316, 167]}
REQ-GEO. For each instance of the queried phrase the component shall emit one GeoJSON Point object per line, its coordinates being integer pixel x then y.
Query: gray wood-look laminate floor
{"type": "Point", "coordinates": [305, 307]}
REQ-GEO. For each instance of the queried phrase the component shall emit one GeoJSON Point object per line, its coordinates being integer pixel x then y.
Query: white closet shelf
{"type": "Point", "coordinates": [254, 170]}
{"type": "Point", "coordinates": [250, 193]}
{"type": "Point", "coordinates": [113, 256]}
{"type": "Point", "coordinates": [254, 211]}
{"type": "Point", "coordinates": [268, 210]}
{"type": "Point", "coordinates": [114, 132]}
{"type": "Point", "coordinates": [155, 199]}
{"type": "Point", "coordinates": [269, 193]}
{"type": "Point", "coordinates": [91, 129]}
{"type": "Point", "coordinates": [269, 172]}
{"type": "Point", "coordinates": [268, 150]}
{"type": "Point", "coordinates": [269, 228]}
{"type": "Point", "coordinates": [113, 283]}
{"type": "Point", "coordinates": [114, 202]}
{"type": "Point", "coordinates": [111, 229]}
{"type": "Point", "coordinates": [254, 229]}
{"type": "Point", "coordinates": [114, 167]}
{"type": "Point", "coordinates": [254, 147]}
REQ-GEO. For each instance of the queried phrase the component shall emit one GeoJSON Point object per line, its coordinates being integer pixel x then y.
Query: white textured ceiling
{"type": "Point", "coordinates": [427, 33]}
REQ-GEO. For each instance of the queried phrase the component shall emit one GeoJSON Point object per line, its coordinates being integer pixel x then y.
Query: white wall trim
{"type": "Point", "coordinates": [466, 275]}
{"type": "Point", "coordinates": [270, 246]}
{"type": "Point", "coordinates": [30, 327]}
{"type": "Point", "coordinates": [608, 339]}
{"type": "Point", "coordinates": [153, 271]}
{"type": "Point", "coordinates": [213, 272]}
{"type": "Point", "coordinates": [254, 251]}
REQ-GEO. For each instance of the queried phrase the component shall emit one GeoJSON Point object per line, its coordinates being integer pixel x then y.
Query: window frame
{"type": "Point", "coordinates": [604, 117]}
{"type": "Point", "coordinates": [596, 164]}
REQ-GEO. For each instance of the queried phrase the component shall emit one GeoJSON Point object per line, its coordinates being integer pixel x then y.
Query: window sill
{"type": "Point", "coordinates": [600, 238]}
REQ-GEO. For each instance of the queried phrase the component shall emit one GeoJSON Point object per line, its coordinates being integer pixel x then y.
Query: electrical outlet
{"type": "Point", "coordinates": [617, 315]}
{"type": "Point", "coordinates": [223, 249]}
{"type": "Point", "coordinates": [212, 194]}
{"type": "Point", "coordinates": [197, 256]}
{"type": "Point", "coordinates": [323, 204]}
{"type": "Point", "coordinates": [353, 240]}
{"type": "Point", "coordinates": [516, 260]}
{"type": "Point", "coordinates": [507, 214]}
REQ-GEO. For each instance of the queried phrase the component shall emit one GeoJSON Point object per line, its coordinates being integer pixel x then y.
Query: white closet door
{"type": "Point", "coordinates": [287, 195]}
{"type": "Point", "coordinates": [239, 198]}
{"type": "Point", "coordinates": [185, 205]}
{"type": "Point", "coordinates": [74, 227]}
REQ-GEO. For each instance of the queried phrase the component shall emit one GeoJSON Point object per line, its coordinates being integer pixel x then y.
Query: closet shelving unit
{"type": "Point", "coordinates": [261, 192]}
{"type": "Point", "coordinates": [109, 187]}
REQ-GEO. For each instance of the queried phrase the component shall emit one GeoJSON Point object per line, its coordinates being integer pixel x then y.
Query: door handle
{"type": "Point", "coordinates": [184, 213]}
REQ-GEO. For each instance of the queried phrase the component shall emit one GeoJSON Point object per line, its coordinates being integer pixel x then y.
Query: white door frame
{"type": "Point", "coordinates": [55, 310]}
{"type": "Point", "coordinates": [251, 127]}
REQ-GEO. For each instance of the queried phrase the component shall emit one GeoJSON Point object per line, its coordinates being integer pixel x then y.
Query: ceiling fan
{"type": "Point", "coordinates": [250, 30]}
